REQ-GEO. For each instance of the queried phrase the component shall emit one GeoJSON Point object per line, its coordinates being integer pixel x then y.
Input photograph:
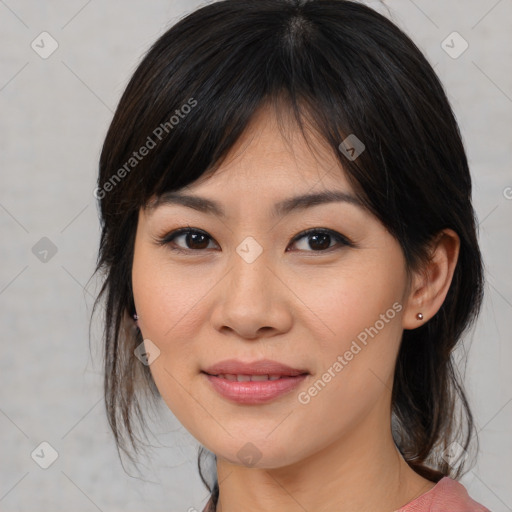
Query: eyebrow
{"type": "Point", "coordinates": [280, 209]}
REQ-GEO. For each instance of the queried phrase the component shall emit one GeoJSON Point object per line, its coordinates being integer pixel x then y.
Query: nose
{"type": "Point", "coordinates": [251, 300]}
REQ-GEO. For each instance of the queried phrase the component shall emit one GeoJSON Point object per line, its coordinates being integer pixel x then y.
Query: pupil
{"type": "Point", "coordinates": [323, 237]}
{"type": "Point", "coordinates": [193, 236]}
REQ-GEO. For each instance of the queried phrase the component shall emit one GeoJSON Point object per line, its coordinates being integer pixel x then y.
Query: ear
{"type": "Point", "coordinates": [429, 286]}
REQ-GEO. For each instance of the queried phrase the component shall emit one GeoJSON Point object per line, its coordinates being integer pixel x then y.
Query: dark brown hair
{"type": "Point", "coordinates": [340, 68]}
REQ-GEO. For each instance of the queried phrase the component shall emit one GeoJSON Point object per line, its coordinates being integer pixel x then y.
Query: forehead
{"type": "Point", "coordinates": [273, 167]}
{"type": "Point", "coordinates": [273, 152]}
{"type": "Point", "coordinates": [265, 177]}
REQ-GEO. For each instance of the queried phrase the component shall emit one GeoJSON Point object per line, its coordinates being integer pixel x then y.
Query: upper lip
{"type": "Point", "coordinates": [261, 367]}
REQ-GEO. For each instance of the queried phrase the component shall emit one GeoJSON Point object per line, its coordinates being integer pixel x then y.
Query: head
{"type": "Point", "coordinates": [249, 104]}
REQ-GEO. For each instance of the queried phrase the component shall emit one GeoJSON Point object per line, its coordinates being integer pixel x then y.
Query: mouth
{"type": "Point", "coordinates": [262, 367]}
{"type": "Point", "coordinates": [253, 383]}
{"type": "Point", "coordinates": [251, 378]}
{"type": "Point", "coordinates": [253, 392]}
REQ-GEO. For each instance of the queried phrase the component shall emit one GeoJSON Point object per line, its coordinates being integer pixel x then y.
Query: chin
{"type": "Point", "coordinates": [258, 453]}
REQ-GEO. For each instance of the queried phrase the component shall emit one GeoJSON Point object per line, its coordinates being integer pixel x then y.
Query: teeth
{"type": "Point", "coordinates": [257, 377]}
{"type": "Point", "coordinates": [246, 378]}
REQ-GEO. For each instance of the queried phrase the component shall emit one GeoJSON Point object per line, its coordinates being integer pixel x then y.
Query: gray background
{"type": "Point", "coordinates": [54, 115]}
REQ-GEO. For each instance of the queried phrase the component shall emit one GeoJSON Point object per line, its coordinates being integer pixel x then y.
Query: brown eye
{"type": "Point", "coordinates": [320, 240]}
{"type": "Point", "coordinates": [192, 239]}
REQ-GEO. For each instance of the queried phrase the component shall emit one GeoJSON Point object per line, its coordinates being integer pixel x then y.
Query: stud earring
{"type": "Point", "coordinates": [419, 316]}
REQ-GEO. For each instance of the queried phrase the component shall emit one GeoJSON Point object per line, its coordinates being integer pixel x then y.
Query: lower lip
{"type": "Point", "coordinates": [254, 392]}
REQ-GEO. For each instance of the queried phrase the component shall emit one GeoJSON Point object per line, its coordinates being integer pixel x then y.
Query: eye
{"type": "Point", "coordinates": [194, 239]}
{"type": "Point", "coordinates": [319, 240]}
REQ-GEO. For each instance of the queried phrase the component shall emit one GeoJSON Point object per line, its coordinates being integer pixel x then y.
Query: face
{"type": "Point", "coordinates": [318, 287]}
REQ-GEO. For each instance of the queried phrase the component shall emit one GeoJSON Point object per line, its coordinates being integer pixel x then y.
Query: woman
{"type": "Point", "coordinates": [290, 258]}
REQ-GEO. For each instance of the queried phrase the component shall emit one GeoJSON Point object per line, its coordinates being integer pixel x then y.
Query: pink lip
{"type": "Point", "coordinates": [254, 392]}
{"type": "Point", "coordinates": [261, 367]}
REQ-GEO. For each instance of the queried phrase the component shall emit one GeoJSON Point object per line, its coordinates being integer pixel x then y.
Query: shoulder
{"type": "Point", "coordinates": [447, 494]}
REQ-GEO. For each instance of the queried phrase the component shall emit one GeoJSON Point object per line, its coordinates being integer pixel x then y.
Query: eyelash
{"type": "Point", "coordinates": [169, 238]}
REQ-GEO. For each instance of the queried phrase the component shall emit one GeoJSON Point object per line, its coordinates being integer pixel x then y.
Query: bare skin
{"type": "Point", "coordinates": [296, 304]}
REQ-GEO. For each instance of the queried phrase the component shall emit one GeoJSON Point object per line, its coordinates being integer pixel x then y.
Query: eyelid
{"type": "Point", "coordinates": [169, 237]}
{"type": "Point", "coordinates": [334, 234]}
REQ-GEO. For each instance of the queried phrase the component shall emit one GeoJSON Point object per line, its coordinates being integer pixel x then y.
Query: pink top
{"type": "Point", "coordinates": [446, 495]}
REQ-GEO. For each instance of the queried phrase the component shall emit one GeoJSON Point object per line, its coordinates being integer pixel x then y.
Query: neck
{"type": "Point", "coordinates": [362, 471]}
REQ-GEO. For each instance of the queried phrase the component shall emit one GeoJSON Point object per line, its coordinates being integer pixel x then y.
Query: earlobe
{"type": "Point", "coordinates": [430, 285]}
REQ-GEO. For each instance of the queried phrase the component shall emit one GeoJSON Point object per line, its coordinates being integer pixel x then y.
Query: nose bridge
{"type": "Point", "coordinates": [250, 275]}
{"type": "Point", "coordinates": [249, 299]}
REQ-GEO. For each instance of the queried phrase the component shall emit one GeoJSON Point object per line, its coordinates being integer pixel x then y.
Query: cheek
{"type": "Point", "coordinates": [358, 314]}
{"type": "Point", "coordinates": [167, 319]}
{"type": "Point", "coordinates": [347, 302]}
{"type": "Point", "coordinates": [168, 301]}
{"type": "Point", "coordinates": [166, 297]}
